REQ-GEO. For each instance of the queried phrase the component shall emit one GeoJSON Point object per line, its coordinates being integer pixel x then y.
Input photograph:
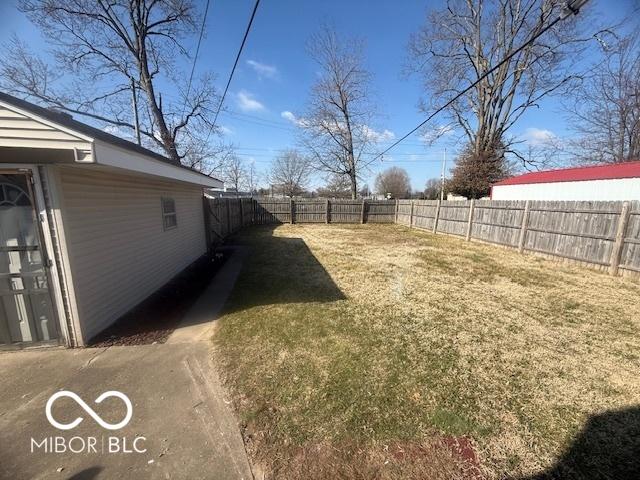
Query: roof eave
{"type": "Point", "coordinates": [111, 155]}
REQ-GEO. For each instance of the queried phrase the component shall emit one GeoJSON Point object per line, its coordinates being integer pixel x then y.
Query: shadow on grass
{"type": "Point", "coordinates": [279, 270]}
{"type": "Point", "coordinates": [608, 447]}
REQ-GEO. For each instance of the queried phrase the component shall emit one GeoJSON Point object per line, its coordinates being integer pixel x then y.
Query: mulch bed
{"type": "Point", "coordinates": [153, 320]}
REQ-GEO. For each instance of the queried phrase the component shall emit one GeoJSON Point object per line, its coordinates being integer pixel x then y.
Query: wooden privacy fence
{"type": "Point", "coordinates": [225, 213]}
{"type": "Point", "coordinates": [602, 234]}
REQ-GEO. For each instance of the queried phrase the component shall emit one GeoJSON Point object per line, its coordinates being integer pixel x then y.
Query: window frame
{"type": "Point", "coordinates": [168, 214]}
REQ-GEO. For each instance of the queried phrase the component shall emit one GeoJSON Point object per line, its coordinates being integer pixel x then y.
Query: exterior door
{"type": "Point", "coordinates": [26, 310]}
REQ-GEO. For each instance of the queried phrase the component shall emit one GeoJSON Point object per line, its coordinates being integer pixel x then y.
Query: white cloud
{"type": "Point", "coordinates": [290, 116]}
{"type": "Point", "coordinates": [537, 136]}
{"type": "Point", "coordinates": [225, 130]}
{"type": "Point", "coordinates": [374, 136]}
{"type": "Point", "coordinates": [262, 69]}
{"type": "Point", "coordinates": [431, 135]}
{"type": "Point", "coordinates": [247, 103]}
{"type": "Point", "coordinates": [287, 115]}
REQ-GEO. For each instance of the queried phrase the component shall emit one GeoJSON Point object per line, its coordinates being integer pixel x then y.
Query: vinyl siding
{"type": "Point", "coordinates": [118, 251]}
{"type": "Point", "coordinates": [18, 130]}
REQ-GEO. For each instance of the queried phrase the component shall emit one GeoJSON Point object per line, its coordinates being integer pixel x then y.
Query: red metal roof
{"type": "Point", "coordinates": [577, 174]}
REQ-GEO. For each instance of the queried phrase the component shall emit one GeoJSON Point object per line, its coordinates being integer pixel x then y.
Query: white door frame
{"type": "Point", "coordinates": [47, 248]}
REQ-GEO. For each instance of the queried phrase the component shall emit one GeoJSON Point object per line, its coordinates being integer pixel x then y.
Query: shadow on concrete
{"type": "Point", "coordinates": [86, 474]}
{"type": "Point", "coordinates": [608, 447]}
{"type": "Point", "coordinates": [279, 270]}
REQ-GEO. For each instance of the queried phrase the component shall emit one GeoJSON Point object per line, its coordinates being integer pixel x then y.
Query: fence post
{"type": "Point", "coordinates": [470, 220]}
{"type": "Point", "coordinates": [228, 204]}
{"type": "Point", "coordinates": [253, 210]}
{"type": "Point", "coordinates": [241, 212]}
{"type": "Point", "coordinates": [362, 212]}
{"type": "Point", "coordinates": [523, 227]}
{"type": "Point", "coordinates": [395, 220]}
{"type": "Point", "coordinates": [616, 252]}
{"type": "Point", "coordinates": [327, 212]}
{"type": "Point", "coordinates": [291, 211]}
{"type": "Point", "coordinates": [411, 216]}
{"type": "Point", "coordinates": [435, 220]}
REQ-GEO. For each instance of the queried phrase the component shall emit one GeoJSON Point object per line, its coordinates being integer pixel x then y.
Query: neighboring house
{"type": "Point", "coordinates": [452, 197]}
{"type": "Point", "coordinates": [90, 225]}
{"type": "Point", "coordinates": [226, 193]}
{"type": "Point", "coordinates": [619, 181]}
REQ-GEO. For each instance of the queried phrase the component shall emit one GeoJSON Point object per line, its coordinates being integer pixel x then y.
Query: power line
{"type": "Point", "coordinates": [571, 8]}
{"type": "Point", "coordinates": [262, 119]}
{"type": "Point", "coordinates": [235, 64]}
{"type": "Point", "coordinates": [262, 123]}
{"type": "Point", "coordinates": [195, 59]}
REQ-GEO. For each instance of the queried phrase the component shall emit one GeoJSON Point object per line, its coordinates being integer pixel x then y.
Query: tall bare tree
{"type": "Point", "coordinates": [432, 189]}
{"type": "Point", "coordinates": [290, 172]}
{"type": "Point", "coordinates": [604, 110]}
{"type": "Point", "coordinates": [337, 125]}
{"type": "Point", "coordinates": [459, 43]}
{"type": "Point", "coordinates": [118, 47]}
{"type": "Point", "coordinates": [394, 181]}
{"type": "Point", "coordinates": [253, 177]}
{"type": "Point", "coordinates": [235, 173]}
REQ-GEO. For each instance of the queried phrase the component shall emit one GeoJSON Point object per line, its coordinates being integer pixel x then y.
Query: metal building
{"type": "Point", "coordinates": [601, 182]}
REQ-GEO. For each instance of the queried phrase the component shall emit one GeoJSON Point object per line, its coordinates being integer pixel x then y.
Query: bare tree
{"type": "Point", "coordinates": [253, 178]}
{"type": "Point", "coordinates": [461, 42]}
{"type": "Point", "coordinates": [336, 127]}
{"type": "Point", "coordinates": [394, 181]}
{"type": "Point", "coordinates": [432, 189]}
{"type": "Point", "coordinates": [290, 172]}
{"type": "Point", "coordinates": [604, 110]}
{"type": "Point", "coordinates": [118, 48]}
{"type": "Point", "coordinates": [337, 186]}
{"type": "Point", "coordinates": [235, 173]}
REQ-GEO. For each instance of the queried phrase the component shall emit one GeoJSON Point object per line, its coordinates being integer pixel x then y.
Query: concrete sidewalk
{"type": "Point", "coordinates": [198, 322]}
{"type": "Point", "coordinates": [178, 406]}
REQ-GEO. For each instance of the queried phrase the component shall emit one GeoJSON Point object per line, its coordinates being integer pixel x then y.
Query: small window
{"type": "Point", "coordinates": [169, 217]}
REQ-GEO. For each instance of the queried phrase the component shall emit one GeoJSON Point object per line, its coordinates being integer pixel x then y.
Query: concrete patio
{"type": "Point", "coordinates": [178, 406]}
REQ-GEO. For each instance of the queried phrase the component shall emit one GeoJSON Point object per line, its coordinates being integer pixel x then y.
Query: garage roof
{"type": "Point", "coordinates": [78, 133]}
{"type": "Point", "coordinates": [577, 174]}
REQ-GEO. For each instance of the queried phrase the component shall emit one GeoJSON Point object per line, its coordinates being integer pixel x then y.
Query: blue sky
{"type": "Point", "coordinates": [275, 73]}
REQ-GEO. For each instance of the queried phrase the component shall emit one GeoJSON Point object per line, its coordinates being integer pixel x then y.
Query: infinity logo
{"type": "Point", "coordinates": [89, 410]}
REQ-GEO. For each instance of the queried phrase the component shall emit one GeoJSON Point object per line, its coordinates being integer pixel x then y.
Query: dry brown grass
{"type": "Point", "coordinates": [376, 335]}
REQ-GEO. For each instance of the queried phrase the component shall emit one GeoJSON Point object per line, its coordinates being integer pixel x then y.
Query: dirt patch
{"type": "Point", "coordinates": [153, 320]}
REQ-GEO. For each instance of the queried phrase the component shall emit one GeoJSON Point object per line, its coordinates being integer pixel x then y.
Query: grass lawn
{"type": "Point", "coordinates": [363, 351]}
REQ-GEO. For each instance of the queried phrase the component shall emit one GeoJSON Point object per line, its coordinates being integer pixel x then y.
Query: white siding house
{"type": "Point", "coordinates": [91, 225]}
{"type": "Point", "coordinates": [601, 182]}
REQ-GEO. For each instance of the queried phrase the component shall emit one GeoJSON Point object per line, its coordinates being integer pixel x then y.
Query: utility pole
{"type": "Point", "coordinates": [134, 99]}
{"type": "Point", "coordinates": [444, 167]}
